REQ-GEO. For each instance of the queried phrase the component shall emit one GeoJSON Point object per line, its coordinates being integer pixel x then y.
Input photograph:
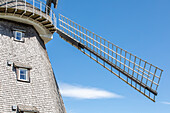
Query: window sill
{"type": "Point", "coordinates": [19, 40]}
{"type": "Point", "coordinates": [26, 81]}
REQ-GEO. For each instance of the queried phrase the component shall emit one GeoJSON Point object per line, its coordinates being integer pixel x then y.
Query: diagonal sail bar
{"type": "Point", "coordinates": [138, 73]}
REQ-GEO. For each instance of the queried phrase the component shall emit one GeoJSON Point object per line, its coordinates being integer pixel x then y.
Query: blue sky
{"type": "Point", "coordinates": [141, 27]}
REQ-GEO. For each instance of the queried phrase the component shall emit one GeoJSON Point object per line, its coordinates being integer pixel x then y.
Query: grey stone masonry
{"type": "Point", "coordinates": [42, 91]}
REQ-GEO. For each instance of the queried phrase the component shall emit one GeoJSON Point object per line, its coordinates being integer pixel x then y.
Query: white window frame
{"type": "Point", "coordinates": [16, 35]}
{"type": "Point", "coordinates": [27, 78]}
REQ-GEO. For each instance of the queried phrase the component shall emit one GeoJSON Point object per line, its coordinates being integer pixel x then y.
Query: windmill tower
{"type": "Point", "coordinates": [27, 82]}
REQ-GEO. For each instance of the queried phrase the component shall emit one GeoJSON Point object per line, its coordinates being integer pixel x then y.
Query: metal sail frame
{"type": "Point", "coordinates": [138, 73]}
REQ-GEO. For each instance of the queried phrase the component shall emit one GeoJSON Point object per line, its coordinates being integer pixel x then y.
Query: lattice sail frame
{"type": "Point", "coordinates": [139, 74]}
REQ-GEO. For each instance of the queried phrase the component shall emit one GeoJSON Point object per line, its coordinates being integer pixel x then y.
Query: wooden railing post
{"type": "Point", "coordinates": [16, 5]}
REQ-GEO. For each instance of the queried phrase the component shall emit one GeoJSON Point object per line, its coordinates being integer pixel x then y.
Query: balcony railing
{"type": "Point", "coordinates": [34, 6]}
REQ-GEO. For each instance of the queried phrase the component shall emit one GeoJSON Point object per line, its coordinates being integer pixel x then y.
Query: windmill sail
{"type": "Point", "coordinates": [139, 74]}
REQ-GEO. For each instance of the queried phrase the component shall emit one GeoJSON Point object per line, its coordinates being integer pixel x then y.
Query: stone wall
{"type": "Point", "coordinates": [42, 91]}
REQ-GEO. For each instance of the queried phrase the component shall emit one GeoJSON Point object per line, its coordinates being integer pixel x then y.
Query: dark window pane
{"type": "Point", "coordinates": [18, 38]}
{"type": "Point", "coordinates": [23, 74]}
{"type": "Point", "coordinates": [23, 77]}
{"type": "Point", "coordinates": [22, 71]}
{"type": "Point", "coordinates": [18, 35]}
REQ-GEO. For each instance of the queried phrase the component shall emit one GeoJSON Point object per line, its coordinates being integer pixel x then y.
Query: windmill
{"type": "Point", "coordinates": [25, 27]}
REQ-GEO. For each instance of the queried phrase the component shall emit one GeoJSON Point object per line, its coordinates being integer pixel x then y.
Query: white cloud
{"type": "Point", "coordinates": [166, 103]}
{"type": "Point", "coordinates": [75, 91]}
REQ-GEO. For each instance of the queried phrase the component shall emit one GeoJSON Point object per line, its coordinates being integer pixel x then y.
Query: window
{"type": "Point", "coordinates": [18, 35]}
{"type": "Point", "coordinates": [22, 71]}
{"type": "Point", "coordinates": [23, 74]}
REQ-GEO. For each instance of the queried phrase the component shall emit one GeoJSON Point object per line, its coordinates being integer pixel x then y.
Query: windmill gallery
{"type": "Point", "coordinates": [25, 27]}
